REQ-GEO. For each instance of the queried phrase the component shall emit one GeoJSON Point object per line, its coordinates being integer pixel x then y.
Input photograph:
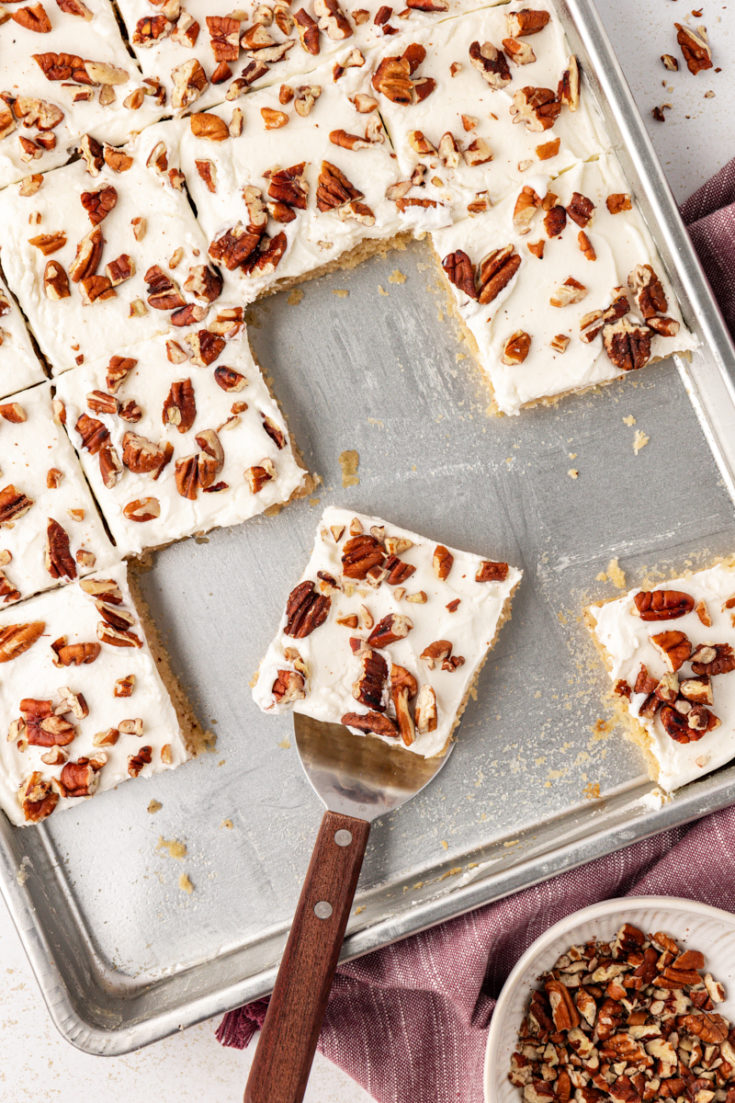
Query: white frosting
{"type": "Point", "coordinates": [171, 50]}
{"type": "Point", "coordinates": [242, 436]}
{"type": "Point", "coordinates": [314, 237]}
{"type": "Point", "coordinates": [620, 241]}
{"type": "Point", "coordinates": [19, 365]}
{"type": "Point", "coordinates": [466, 93]}
{"type": "Point", "coordinates": [68, 330]}
{"type": "Point", "coordinates": [28, 451]}
{"type": "Point", "coordinates": [72, 613]}
{"type": "Point", "coordinates": [97, 39]}
{"type": "Point", "coordinates": [626, 639]}
{"type": "Point", "coordinates": [333, 667]}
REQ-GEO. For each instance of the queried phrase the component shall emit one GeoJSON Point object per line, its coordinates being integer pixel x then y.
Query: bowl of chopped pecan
{"type": "Point", "coordinates": [628, 1000]}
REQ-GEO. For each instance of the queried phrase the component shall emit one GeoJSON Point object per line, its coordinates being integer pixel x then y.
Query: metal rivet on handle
{"type": "Point", "coordinates": [323, 909]}
{"type": "Point", "coordinates": [343, 837]}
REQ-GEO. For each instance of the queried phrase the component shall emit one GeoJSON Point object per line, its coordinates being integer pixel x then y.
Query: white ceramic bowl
{"type": "Point", "coordinates": [699, 926]}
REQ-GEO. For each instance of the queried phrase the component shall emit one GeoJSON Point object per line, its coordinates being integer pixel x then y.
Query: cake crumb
{"type": "Point", "coordinates": [176, 849]}
{"type": "Point", "coordinates": [349, 461]}
{"type": "Point", "coordinates": [396, 276]}
{"type": "Point", "coordinates": [382, 291]}
{"type": "Point", "coordinates": [359, 909]}
{"type": "Point", "coordinates": [314, 502]}
{"type": "Point", "coordinates": [185, 883]}
{"type": "Point", "coordinates": [295, 296]}
{"type": "Point", "coordinates": [640, 440]}
{"type": "Point", "coordinates": [629, 420]}
{"type": "Point", "coordinates": [340, 292]}
{"type": "Point", "coordinates": [616, 574]}
{"type": "Point", "coordinates": [228, 824]}
{"type": "Point", "coordinates": [445, 844]}
{"type": "Point", "coordinates": [592, 791]}
{"type": "Point", "coordinates": [573, 473]}
{"type": "Point", "coordinates": [23, 870]}
{"type": "Point", "coordinates": [155, 806]}
{"type": "Point", "coordinates": [285, 744]}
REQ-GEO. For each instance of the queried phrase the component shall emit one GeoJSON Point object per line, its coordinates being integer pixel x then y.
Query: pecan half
{"type": "Point", "coordinates": [712, 659]}
{"type": "Point", "coordinates": [369, 687]}
{"type": "Point", "coordinates": [88, 254]}
{"type": "Point", "coordinates": [57, 556]}
{"type": "Point", "coordinates": [306, 610]}
{"type": "Point", "coordinates": [360, 554]}
{"type": "Point", "coordinates": [628, 346]}
{"type": "Point", "coordinates": [662, 604]}
{"type": "Point", "coordinates": [526, 21]}
{"type": "Point", "coordinates": [15, 639]}
{"type": "Point", "coordinates": [143, 457]}
{"type": "Point", "coordinates": [403, 687]}
{"type": "Point", "coordinates": [563, 1009]}
{"type": "Point", "coordinates": [648, 291]}
{"type": "Point", "coordinates": [55, 281]}
{"type": "Point", "coordinates": [208, 126]}
{"type": "Point", "coordinates": [460, 272]}
{"type": "Point", "coordinates": [496, 272]}
{"type": "Point", "coordinates": [80, 778]}
{"type": "Point", "coordinates": [516, 348]}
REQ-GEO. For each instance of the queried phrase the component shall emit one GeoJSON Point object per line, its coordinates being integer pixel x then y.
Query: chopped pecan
{"type": "Point", "coordinates": [389, 629]}
{"type": "Point", "coordinates": [163, 292]}
{"type": "Point", "coordinates": [519, 52]}
{"type": "Point", "coordinates": [712, 659]}
{"type": "Point", "coordinates": [490, 571]}
{"type": "Point", "coordinates": [80, 778]}
{"type": "Point", "coordinates": [695, 48]}
{"type": "Point", "coordinates": [229, 379]}
{"type": "Point", "coordinates": [37, 797]}
{"type": "Point", "coordinates": [57, 556]}
{"type": "Point", "coordinates": [289, 686]}
{"type": "Point", "coordinates": [563, 1009]}
{"type": "Point", "coordinates": [142, 456]}
{"type": "Point", "coordinates": [568, 293]}
{"type": "Point", "coordinates": [674, 646]}
{"type": "Point", "coordinates": [425, 711]}
{"type": "Point", "coordinates": [567, 91]}
{"type": "Point", "coordinates": [436, 652]}
{"type": "Point", "coordinates": [333, 188]}
{"type": "Point", "coordinates": [137, 762]}
{"type": "Point", "coordinates": [189, 81]}
{"type": "Point", "coordinates": [526, 21]}
{"type": "Point", "coordinates": [98, 204]}
{"type": "Point", "coordinates": [32, 17]}
{"type": "Point", "coordinates": [628, 346]}
{"type": "Point", "coordinates": [580, 209]}
{"type": "Point", "coordinates": [88, 254]}
{"type": "Point", "coordinates": [618, 202]}
{"type": "Point", "coordinates": [394, 77]}
{"type": "Point", "coordinates": [258, 475]}
{"type": "Point", "coordinates": [13, 504]}
{"type": "Point", "coordinates": [403, 687]}
{"type": "Point", "coordinates": [662, 604]}
{"type": "Point", "coordinates": [555, 220]}
{"type": "Point", "coordinates": [235, 246]}
{"type": "Point", "coordinates": [73, 654]}
{"type": "Point", "coordinates": [179, 406]}
{"type": "Point", "coordinates": [491, 63]}
{"type": "Point", "coordinates": [55, 281]}
{"type": "Point", "coordinates": [442, 561]}
{"type": "Point", "coordinates": [224, 33]}
{"type": "Point", "coordinates": [120, 269]}
{"type": "Point", "coordinates": [516, 348]}
{"type": "Point", "coordinates": [375, 722]}
{"type": "Point", "coordinates": [306, 610]}
{"type": "Point", "coordinates": [648, 291]}
{"type": "Point", "coordinates": [537, 108]}
{"type": "Point", "coordinates": [211, 127]}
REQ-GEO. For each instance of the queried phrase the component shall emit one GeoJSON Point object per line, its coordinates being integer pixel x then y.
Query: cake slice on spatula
{"type": "Point", "coordinates": [384, 637]}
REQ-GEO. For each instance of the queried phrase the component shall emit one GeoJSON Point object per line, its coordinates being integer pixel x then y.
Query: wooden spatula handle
{"type": "Point", "coordinates": [287, 1044]}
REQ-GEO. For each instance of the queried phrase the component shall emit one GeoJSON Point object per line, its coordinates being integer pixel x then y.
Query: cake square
{"type": "Point", "coordinates": [386, 632]}
{"type": "Point", "coordinates": [66, 72]}
{"type": "Point", "coordinates": [19, 365]}
{"type": "Point", "coordinates": [180, 437]}
{"type": "Point", "coordinates": [208, 52]}
{"type": "Point", "coordinates": [107, 252]}
{"type": "Point", "coordinates": [670, 652]}
{"type": "Point", "coordinates": [298, 183]}
{"type": "Point", "coordinates": [478, 105]}
{"type": "Point", "coordinates": [561, 289]}
{"type": "Point", "coordinates": [50, 531]}
{"type": "Point", "coordinates": [83, 701]}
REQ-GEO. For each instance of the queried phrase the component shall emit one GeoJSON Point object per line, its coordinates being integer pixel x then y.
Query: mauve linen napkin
{"type": "Point", "coordinates": [409, 1023]}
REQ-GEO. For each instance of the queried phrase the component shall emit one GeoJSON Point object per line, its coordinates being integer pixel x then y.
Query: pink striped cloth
{"type": "Point", "coordinates": [409, 1023]}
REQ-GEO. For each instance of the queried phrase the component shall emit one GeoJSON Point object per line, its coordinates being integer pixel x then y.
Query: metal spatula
{"type": "Point", "coordinates": [358, 779]}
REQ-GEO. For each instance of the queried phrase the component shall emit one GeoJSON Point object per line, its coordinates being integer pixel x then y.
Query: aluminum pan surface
{"type": "Point", "coordinates": [122, 955]}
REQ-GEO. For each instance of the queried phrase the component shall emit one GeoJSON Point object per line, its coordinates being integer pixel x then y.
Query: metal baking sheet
{"type": "Point", "coordinates": [122, 955]}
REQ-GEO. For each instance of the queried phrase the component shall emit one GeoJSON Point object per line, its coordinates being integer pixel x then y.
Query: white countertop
{"type": "Point", "coordinates": [191, 1067]}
